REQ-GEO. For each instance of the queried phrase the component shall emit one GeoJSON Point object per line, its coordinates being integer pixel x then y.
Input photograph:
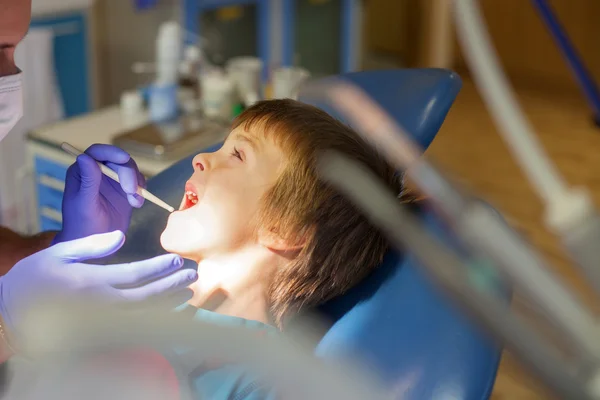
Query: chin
{"type": "Point", "coordinates": [177, 238]}
{"type": "Point", "coordinates": [182, 248]}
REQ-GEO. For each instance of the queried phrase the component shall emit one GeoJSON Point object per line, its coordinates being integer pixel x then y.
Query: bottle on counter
{"type": "Point", "coordinates": [189, 80]}
{"type": "Point", "coordinates": [163, 97]}
{"type": "Point", "coordinates": [132, 108]}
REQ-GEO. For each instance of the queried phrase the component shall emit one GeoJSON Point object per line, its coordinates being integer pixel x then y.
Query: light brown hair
{"type": "Point", "coordinates": [340, 246]}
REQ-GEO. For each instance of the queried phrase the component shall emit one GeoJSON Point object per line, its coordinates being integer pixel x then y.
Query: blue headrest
{"type": "Point", "coordinates": [395, 320]}
{"type": "Point", "coordinates": [418, 99]}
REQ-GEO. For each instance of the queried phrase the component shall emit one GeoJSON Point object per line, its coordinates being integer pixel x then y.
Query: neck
{"type": "Point", "coordinates": [236, 283]}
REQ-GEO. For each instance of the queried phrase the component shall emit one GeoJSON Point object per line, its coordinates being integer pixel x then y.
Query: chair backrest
{"type": "Point", "coordinates": [395, 321]}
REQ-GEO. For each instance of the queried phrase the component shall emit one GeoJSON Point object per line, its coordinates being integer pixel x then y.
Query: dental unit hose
{"type": "Point", "coordinates": [486, 235]}
{"type": "Point", "coordinates": [569, 211]}
{"type": "Point", "coordinates": [448, 270]}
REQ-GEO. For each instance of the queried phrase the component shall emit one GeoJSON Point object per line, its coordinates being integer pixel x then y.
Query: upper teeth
{"type": "Point", "coordinates": [193, 197]}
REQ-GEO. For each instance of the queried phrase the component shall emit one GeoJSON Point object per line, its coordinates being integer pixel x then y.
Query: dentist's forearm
{"type": "Point", "coordinates": [14, 247]}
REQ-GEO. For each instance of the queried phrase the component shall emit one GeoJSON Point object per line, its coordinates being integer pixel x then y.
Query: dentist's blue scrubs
{"type": "Point", "coordinates": [205, 379]}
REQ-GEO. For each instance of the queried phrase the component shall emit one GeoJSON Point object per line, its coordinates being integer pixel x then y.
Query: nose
{"type": "Point", "coordinates": [199, 162]}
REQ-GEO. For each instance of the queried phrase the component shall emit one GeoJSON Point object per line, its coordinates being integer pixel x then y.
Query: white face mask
{"type": "Point", "coordinates": [11, 102]}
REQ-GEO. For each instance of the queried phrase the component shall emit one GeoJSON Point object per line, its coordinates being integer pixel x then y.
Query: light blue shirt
{"type": "Point", "coordinates": [205, 379]}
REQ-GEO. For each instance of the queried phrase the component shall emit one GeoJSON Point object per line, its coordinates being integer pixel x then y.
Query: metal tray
{"type": "Point", "coordinates": [172, 141]}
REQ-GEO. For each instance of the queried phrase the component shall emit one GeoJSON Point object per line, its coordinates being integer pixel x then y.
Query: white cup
{"type": "Point", "coordinates": [287, 81]}
{"type": "Point", "coordinates": [217, 95]}
{"type": "Point", "coordinates": [132, 103]}
{"type": "Point", "coordinates": [246, 74]}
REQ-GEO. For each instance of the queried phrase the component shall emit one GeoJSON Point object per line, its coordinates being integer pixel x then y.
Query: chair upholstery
{"type": "Point", "coordinates": [410, 335]}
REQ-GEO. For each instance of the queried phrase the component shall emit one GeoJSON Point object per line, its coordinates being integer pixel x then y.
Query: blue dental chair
{"type": "Point", "coordinates": [395, 321]}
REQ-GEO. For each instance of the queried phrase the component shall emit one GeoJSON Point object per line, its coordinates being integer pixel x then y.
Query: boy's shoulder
{"type": "Point", "coordinates": [202, 315]}
{"type": "Point", "coordinates": [220, 379]}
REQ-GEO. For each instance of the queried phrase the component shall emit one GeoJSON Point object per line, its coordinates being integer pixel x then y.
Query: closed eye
{"type": "Point", "coordinates": [237, 154]}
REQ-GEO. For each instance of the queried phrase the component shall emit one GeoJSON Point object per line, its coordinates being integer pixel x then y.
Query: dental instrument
{"type": "Point", "coordinates": [114, 176]}
{"type": "Point", "coordinates": [448, 271]}
{"type": "Point", "coordinates": [570, 212]}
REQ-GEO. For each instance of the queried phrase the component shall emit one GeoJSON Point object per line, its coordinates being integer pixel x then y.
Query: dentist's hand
{"type": "Point", "coordinates": [58, 273]}
{"type": "Point", "coordinates": [94, 203]}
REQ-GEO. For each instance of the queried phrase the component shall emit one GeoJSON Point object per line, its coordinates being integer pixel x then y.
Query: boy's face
{"type": "Point", "coordinates": [223, 196]}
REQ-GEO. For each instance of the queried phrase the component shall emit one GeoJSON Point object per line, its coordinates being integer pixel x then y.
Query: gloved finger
{"type": "Point", "coordinates": [141, 177]}
{"type": "Point", "coordinates": [108, 153]}
{"type": "Point", "coordinates": [138, 273]}
{"type": "Point", "coordinates": [128, 175]}
{"type": "Point", "coordinates": [161, 287]}
{"type": "Point", "coordinates": [90, 247]}
{"type": "Point", "coordinates": [135, 200]}
{"type": "Point", "coordinates": [90, 177]}
{"type": "Point", "coordinates": [72, 181]}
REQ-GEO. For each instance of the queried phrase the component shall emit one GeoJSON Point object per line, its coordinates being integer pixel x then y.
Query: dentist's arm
{"type": "Point", "coordinates": [14, 247]}
{"type": "Point", "coordinates": [59, 274]}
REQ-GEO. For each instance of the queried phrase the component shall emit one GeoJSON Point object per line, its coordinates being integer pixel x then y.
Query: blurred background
{"type": "Point", "coordinates": [94, 52]}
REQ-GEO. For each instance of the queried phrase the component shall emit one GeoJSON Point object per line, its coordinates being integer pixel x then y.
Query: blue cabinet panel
{"type": "Point", "coordinates": [49, 175]}
{"type": "Point", "coordinates": [49, 225]}
{"type": "Point", "coordinates": [71, 58]}
{"type": "Point", "coordinates": [50, 168]}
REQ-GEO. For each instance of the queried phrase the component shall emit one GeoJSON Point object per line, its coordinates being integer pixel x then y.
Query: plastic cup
{"type": "Point", "coordinates": [287, 81]}
{"type": "Point", "coordinates": [246, 74]}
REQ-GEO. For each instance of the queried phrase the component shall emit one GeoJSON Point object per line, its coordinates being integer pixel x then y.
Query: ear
{"type": "Point", "coordinates": [272, 240]}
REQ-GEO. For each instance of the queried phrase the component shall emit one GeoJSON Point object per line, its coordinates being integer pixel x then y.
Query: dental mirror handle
{"type": "Point", "coordinates": [114, 176]}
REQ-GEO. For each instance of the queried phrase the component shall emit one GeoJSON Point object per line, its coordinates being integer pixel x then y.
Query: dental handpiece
{"type": "Point", "coordinates": [114, 176]}
{"type": "Point", "coordinates": [450, 272]}
{"type": "Point", "coordinates": [479, 227]}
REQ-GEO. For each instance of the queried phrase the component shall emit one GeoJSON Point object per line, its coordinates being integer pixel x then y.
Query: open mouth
{"type": "Point", "coordinates": [190, 197]}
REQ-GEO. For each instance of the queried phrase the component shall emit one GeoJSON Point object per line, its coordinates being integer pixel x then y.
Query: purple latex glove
{"type": "Point", "coordinates": [93, 203]}
{"type": "Point", "coordinates": [58, 273]}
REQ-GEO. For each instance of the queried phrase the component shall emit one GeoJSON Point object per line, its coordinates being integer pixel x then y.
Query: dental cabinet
{"type": "Point", "coordinates": [232, 28]}
{"type": "Point", "coordinates": [323, 36]}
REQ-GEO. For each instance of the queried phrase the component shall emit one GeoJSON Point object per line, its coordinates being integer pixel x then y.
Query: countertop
{"type": "Point", "coordinates": [97, 127]}
{"type": "Point", "coordinates": [42, 8]}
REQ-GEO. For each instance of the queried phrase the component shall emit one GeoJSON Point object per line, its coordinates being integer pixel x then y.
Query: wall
{"type": "Point", "coordinates": [385, 25]}
{"type": "Point", "coordinates": [527, 50]}
{"type": "Point", "coordinates": [125, 36]}
{"type": "Point", "coordinates": [400, 29]}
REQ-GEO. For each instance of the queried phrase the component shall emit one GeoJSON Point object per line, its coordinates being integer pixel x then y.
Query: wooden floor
{"type": "Point", "coordinates": [470, 148]}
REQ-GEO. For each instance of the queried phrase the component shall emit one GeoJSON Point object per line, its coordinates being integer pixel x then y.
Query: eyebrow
{"type": "Point", "coordinates": [242, 138]}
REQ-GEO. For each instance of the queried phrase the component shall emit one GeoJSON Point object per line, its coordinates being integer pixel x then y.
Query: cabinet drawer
{"type": "Point", "coordinates": [49, 196]}
{"type": "Point", "coordinates": [51, 169]}
{"type": "Point", "coordinates": [49, 225]}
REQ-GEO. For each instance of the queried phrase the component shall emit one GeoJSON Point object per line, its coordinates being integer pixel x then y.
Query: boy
{"type": "Point", "coordinates": [270, 238]}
